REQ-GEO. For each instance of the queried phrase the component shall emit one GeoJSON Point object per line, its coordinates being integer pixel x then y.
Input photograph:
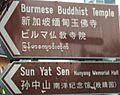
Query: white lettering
{"type": "Point", "coordinates": [34, 9]}
{"type": "Point", "coordinates": [100, 73]}
{"type": "Point", "coordinates": [73, 11]}
{"type": "Point", "coordinates": [82, 73]}
{"type": "Point", "coordinates": [62, 72]}
{"type": "Point", "coordinates": [22, 7]}
{"type": "Point", "coordinates": [103, 13]}
{"type": "Point", "coordinates": [46, 71]}
{"type": "Point", "coordinates": [25, 34]}
{"type": "Point", "coordinates": [27, 72]}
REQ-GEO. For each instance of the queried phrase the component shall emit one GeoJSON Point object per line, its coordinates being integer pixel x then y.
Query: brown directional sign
{"type": "Point", "coordinates": [60, 29]}
{"type": "Point", "coordinates": [34, 78]}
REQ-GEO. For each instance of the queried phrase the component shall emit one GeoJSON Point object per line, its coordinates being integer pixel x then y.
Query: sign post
{"type": "Point", "coordinates": [60, 30]}
{"type": "Point", "coordinates": [23, 78]}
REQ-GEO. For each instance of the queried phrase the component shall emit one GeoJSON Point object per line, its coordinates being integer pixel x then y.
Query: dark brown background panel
{"type": "Point", "coordinates": [66, 77]}
{"type": "Point", "coordinates": [101, 41]}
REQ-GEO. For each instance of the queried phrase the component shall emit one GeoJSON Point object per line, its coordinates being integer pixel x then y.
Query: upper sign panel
{"type": "Point", "coordinates": [59, 29]}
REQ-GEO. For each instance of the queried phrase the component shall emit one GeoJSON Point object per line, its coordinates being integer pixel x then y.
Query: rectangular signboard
{"type": "Point", "coordinates": [34, 78]}
{"type": "Point", "coordinates": [60, 29]}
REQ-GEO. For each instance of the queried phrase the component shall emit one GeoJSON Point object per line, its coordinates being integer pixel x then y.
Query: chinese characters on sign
{"type": "Point", "coordinates": [58, 29]}
{"type": "Point", "coordinates": [63, 78]}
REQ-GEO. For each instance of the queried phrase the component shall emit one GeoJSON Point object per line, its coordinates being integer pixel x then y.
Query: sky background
{"type": "Point", "coordinates": [118, 3]}
{"type": "Point", "coordinates": [82, 1]}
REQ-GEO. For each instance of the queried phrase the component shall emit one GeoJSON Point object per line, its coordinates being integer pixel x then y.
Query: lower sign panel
{"type": "Point", "coordinates": [34, 78]}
